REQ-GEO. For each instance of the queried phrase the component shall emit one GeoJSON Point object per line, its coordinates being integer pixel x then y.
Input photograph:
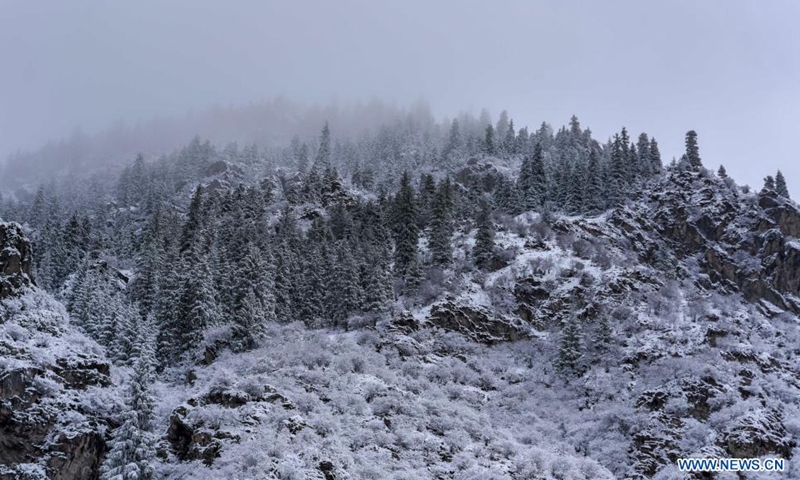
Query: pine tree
{"type": "Point", "coordinates": [780, 185]}
{"type": "Point", "coordinates": [605, 335]}
{"type": "Point", "coordinates": [454, 142]}
{"type": "Point", "coordinates": [323, 160]}
{"type": "Point", "coordinates": [406, 261]}
{"type": "Point", "coordinates": [302, 158]}
{"type": "Point", "coordinates": [655, 157]}
{"type": "Point", "coordinates": [442, 228]}
{"type": "Point", "coordinates": [532, 180]}
{"type": "Point", "coordinates": [489, 141]}
{"type": "Point", "coordinates": [769, 183]}
{"type": "Point", "coordinates": [376, 283]}
{"type": "Point", "coordinates": [254, 302]}
{"type": "Point", "coordinates": [722, 173]}
{"type": "Point", "coordinates": [594, 202]}
{"type": "Point", "coordinates": [570, 351]}
{"type": "Point", "coordinates": [132, 445]}
{"type": "Point", "coordinates": [644, 164]}
{"type": "Point", "coordinates": [692, 150]}
{"type": "Point", "coordinates": [349, 295]}
{"type": "Point", "coordinates": [483, 252]}
{"type": "Point", "coordinates": [509, 140]}
{"type": "Point", "coordinates": [194, 221]}
{"type": "Point", "coordinates": [197, 306]}
{"type": "Point", "coordinates": [618, 175]}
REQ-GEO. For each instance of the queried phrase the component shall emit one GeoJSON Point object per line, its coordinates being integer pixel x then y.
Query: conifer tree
{"type": "Point", "coordinates": [692, 150]}
{"type": "Point", "coordinates": [197, 306]}
{"type": "Point", "coordinates": [509, 140]}
{"type": "Point", "coordinates": [483, 252]}
{"type": "Point", "coordinates": [254, 303]}
{"type": "Point", "coordinates": [605, 335]}
{"type": "Point", "coordinates": [769, 182]}
{"type": "Point", "coordinates": [454, 142]}
{"type": "Point", "coordinates": [570, 351]}
{"type": "Point", "coordinates": [532, 180]}
{"type": "Point", "coordinates": [349, 295]}
{"type": "Point", "coordinates": [645, 165]}
{"type": "Point", "coordinates": [655, 156]}
{"type": "Point", "coordinates": [406, 261]}
{"type": "Point", "coordinates": [594, 202]}
{"type": "Point", "coordinates": [194, 221]}
{"type": "Point", "coordinates": [323, 161]}
{"type": "Point", "coordinates": [489, 141]}
{"type": "Point", "coordinates": [780, 185]}
{"type": "Point", "coordinates": [302, 158]}
{"type": "Point", "coordinates": [132, 446]}
{"type": "Point", "coordinates": [442, 228]}
{"type": "Point", "coordinates": [722, 173]}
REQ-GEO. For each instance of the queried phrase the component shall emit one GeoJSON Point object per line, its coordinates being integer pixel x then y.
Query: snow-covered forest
{"type": "Point", "coordinates": [393, 298]}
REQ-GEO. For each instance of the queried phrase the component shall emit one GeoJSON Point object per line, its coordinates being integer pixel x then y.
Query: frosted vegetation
{"type": "Point", "coordinates": [398, 298]}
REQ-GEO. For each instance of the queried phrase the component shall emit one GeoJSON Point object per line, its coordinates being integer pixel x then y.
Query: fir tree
{"type": "Point", "coordinates": [532, 180]}
{"type": "Point", "coordinates": [655, 156]}
{"type": "Point", "coordinates": [489, 141]}
{"type": "Point", "coordinates": [483, 252]}
{"type": "Point", "coordinates": [570, 351]}
{"type": "Point", "coordinates": [780, 185]}
{"type": "Point", "coordinates": [722, 173]}
{"type": "Point", "coordinates": [194, 221]}
{"type": "Point", "coordinates": [442, 228]}
{"type": "Point", "coordinates": [302, 158]}
{"type": "Point", "coordinates": [769, 182]}
{"type": "Point", "coordinates": [594, 202]}
{"type": "Point", "coordinates": [323, 160]}
{"type": "Point", "coordinates": [254, 303]}
{"type": "Point", "coordinates": [692, 150]}
{"type": "Point", "coordinates": [406, 231]}
{"type": "Point", "coordinates": [349, 294]}
{"type": "Point", "coordinates": [132, 446]}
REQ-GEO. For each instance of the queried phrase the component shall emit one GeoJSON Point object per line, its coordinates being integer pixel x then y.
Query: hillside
{"type": "Point", "coordinates": [541, 307]}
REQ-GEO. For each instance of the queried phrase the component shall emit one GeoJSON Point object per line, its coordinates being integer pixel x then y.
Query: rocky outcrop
{"type": "Point", "coordinates": [191, 439]}
{"type": "Point", "coordinates": [50, 427]}
{"type": "Point", "coordinates": [476, 323]}
{"type": "Point", "coordinates": [759, 433]}
{"type": "Point", "coordinates": [748, 244]}
{"type": "Point", "coordinates": [15, 260]}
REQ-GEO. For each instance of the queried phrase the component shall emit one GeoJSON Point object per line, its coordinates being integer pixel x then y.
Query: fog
{"type": "Point", "coordinates": [729, 70]}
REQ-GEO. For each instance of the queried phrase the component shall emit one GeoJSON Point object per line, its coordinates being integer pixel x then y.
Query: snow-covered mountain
{"type": "Point", "coordinates": [295, 324]}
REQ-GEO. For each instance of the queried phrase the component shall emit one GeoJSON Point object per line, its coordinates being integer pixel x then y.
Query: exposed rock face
{"type": "Point", "coordinates": [191, 439]}
{"type": "Point", "coordinates": [759, 433]}
{"type": "Point", "coordinates": [47, 426]}
{"type": "Point", "coordinates": [475, 322]}
{"type": "Point", "coordinates": [741, 245]}
{"type": "Point", "coordinates": [15, 259]}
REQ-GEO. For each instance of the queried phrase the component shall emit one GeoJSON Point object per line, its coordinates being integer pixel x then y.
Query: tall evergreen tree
{"type": "Point", "coordinates": [132, 446]}
{"type": "Point", "coordinates": [593, 195]}
{"type": "Point", "coordinates": [692, 150]}
{"type": "Point", "coordinates": [442, 224]}
{"type": "Point", "coordinates": [406, 258]}
{"type": "Point", "coordinates": [489, 141]}
{"type": "Point", "coordinates": [769, 182]}
{"type": "Point", "coordinates": [570, 351]}
{"type": "Point", "coordinates": [780, 185]}
{"type": "Point", "coordinates": [483, 252]}
{"type": "Point", "coordinates": [323, 160]}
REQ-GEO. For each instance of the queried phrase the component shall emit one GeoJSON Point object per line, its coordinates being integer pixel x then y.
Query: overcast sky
{"type": "Point", "coordinates": [728, 69]}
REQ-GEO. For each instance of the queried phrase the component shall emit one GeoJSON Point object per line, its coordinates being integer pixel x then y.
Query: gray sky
{"type": "Point", "coordinates": [728, 69]}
